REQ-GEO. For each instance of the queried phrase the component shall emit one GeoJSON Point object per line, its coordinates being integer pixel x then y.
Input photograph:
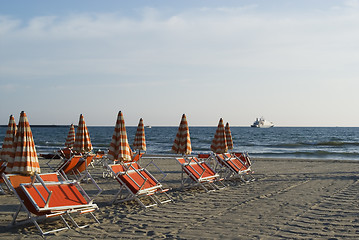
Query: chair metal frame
{"type": "Point", "coordinates": [204, 176]}
{"type": "Point", "coordinates": [233, 165]}
{"type": "Point", "coordinates": [41, 184]}
{"type": "Point", "coordinates": [133, 189]}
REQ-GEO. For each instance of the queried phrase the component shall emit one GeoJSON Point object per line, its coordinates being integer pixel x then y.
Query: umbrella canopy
{"type": "Point", "coordinates": [6, 151]}
{"type": "Point", "coordinates": [140, 141]}
{"type": "Point", "coordinates": [219, 143]}
{"type": "Point", "coordinates": [82, 141]}
{"type": "Point", "coordinates": [119, 147]}
{"type": "Point", "coordinates": [70, 140]}
{"type": "Point", "coordinates": [229, 139]}
{"type": "Point", "coordinates": [182, 143]}
{"type": "Point", "coordinates": [24, 158]}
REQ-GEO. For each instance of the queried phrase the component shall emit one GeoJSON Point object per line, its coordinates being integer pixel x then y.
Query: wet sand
{"type": "Point", "coordinates": [291, 198]}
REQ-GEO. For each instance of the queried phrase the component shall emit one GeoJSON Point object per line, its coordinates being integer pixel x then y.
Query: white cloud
{"type": "Point", "coordinates": [201, 48]}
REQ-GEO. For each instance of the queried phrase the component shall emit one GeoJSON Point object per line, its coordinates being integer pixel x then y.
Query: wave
{"type": "Point", "coordinates": [340, 144]}
{"type": "Point", "coordinates": [312, 154]}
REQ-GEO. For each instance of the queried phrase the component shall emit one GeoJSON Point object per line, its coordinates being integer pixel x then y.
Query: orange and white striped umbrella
{"type": "Point", "coordinates": [24, 158]}
{"type": "Point", "coordinates": [119, 147]}
{"type": "Point", "coordinates": [182, 143]}
{"type": "Point", "coordinates": [219, 143]}
{"type": "Point", "coordinates": [140, 140]}
{"type": "Point", "coordinates": [229, 139]}
{"type": "Point", "coordinates": [7, 149]}
{"type": "Point", "coordinates": [82, 141]}
{"type": "Point", "coordinates": [70, 140]}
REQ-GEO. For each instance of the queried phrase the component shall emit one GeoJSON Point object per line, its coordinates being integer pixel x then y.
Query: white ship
{"type": "Point", "coordinates": [262, 123]}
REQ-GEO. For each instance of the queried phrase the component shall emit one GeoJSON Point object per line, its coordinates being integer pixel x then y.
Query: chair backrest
{"type": "Point", "coordinates": [49, 177]}
{"type": "Point", "coordinates": [244, 157]}
{"type": "Point", "coordinates": [66, 153]}
{"type": "Point", "coordinates": [135, 177]}
{"type": "Point", "coordinates": [16, 179]}
{"type": "Point", "coordinates": [221, 158]}
{"type": "Point", "coordinates": [67, 166]}
{"type": "Point", "coordinates": [197, 168]}
{"type": "Point", "coordinates": [181, 160]}
{"type": "Point", "coordinates": [203, 155]}
{"type": "Point", "coordinates": [82, 166]}
{"type": "Point", "coordinates": [237, 164]}
{"type": "Point", "coordinates": [63, 195]}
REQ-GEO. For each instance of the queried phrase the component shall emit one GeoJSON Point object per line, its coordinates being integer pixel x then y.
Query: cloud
{"type": "Point", "coordinates": [198, 51]}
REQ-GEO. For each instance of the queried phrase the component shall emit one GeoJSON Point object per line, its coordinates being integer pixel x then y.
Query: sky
{"type": "Point", "coordinates": [293, 62]}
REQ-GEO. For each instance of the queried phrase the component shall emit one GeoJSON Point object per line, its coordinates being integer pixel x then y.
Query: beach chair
{"type": "Point", "coordinates": [64, 154]}
{"type": "Point", "coordinates": [235, 165]}
{"type": "Point", "coordinates": [76, 168]}
{"type": "Point", "coordinates": [81, 167]}
{"type": "Point", "coordinates": [66, 167]}
{"type": "Point", "coordinates": [137, 183]}
{"type": "Point", "coordinates": [199, 173]}
{"type": "Point", "coordinates": [46, 196]}
{"type": "Point", "coordinates": [108, 173]}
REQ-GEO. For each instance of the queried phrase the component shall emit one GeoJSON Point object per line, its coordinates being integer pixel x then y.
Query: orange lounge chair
{"type": "Point", "coordinates": [77, 166]}
{"type": "Point", "coordinates": [64, 154]}
{"type": "Point", "coordinates": [67, 166]}
{"type": "Point", "coordinates": [199, 173]}
{"type": "Point", "coordinates": [138, 183]}
{"type": "Point", "coordinates": [44, 196]}
{"type": "Point", "coordinates": [235, 164]}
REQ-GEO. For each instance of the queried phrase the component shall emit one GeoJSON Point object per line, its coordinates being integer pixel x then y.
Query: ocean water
{"type": "Point", "coordinates": [279, 142]}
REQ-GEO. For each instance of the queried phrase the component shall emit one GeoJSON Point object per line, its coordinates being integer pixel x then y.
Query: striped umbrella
{"type": "Point", "coordinates": [219, 143]}
{"type": "Point", "coordinates": [119, 147]}
{"type": "Point", "coordinates": [6, 151]}
{"type": "Point", "coordinates": [24, 158]}
{"type": "Point", "coordinates": [70, 140]}
{"type": "Point", "coordinates": [228, 137]}
{"type": "Point", "coordinates": [182, 143]}
{"type": "Point", "coordinates": [82, 141]}
{"type": "Point", "coordinates": [140, 141]}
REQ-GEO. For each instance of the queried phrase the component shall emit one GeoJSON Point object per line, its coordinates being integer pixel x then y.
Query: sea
{"type": "Point", "coordinates": [341, 143]}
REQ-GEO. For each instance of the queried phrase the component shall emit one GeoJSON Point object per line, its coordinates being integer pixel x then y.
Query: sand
{"type": "Point", "coordinates": [296, 199]}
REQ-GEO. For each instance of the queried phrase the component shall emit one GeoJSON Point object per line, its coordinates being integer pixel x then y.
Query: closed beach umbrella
{"type": "Point", "coordinates": [219, 143]}
{"type": "Point", "coordinates": [7, 149]}
{"type": "Point", "coordinates": [182, 143]}
{"type": "Point", "coordinates": [119, 147]}
{"type": "Point", "coordinates": [140, 140]}
{"type": "Point", "coordinates": [24, 158]}
{"type": "Point", "coordinates": [82, 141]}
{"type": "Point", "coordinates": [228, 137]}
{"type": "Point", "coordinates": [70, 140]}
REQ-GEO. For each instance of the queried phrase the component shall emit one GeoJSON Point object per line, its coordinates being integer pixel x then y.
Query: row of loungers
{"type": "Point", "coordinates": [54, 195]}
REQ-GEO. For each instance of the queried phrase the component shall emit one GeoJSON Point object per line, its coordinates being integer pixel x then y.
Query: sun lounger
{"type": "Point", "coordinates": [137, 183]}
{"type": "Point", "coordinates": [64, 154]}
{"type": "Point", "coordinates": [77, 168]}
{"type": "Point", "coordinates": [199, 173]}
{"type": "Point", "coordinates": [235, 165]}
{"type": "Point", "coordinates": [44, 196]}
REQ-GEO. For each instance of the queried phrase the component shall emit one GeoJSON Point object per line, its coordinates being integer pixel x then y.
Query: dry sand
{"type": "Point", "coordinates": [296, 199]}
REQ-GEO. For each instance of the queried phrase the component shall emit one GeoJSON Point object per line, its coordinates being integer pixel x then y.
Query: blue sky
{"type": "Point", "coordinates": [293, 62]}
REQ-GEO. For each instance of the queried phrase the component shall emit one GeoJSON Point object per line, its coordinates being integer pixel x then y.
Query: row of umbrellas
{"type": "Point", "coordinates": [221, 142]}
{"type": "Point", "coordinates": [20, 153]}
{"type": "Point", "coordinates": [119, 147]}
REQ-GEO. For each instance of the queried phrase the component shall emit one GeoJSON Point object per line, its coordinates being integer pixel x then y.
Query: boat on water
{"type": "Point", "coordinates": [262, 123]}
{"type": "Point", "coordinates": [148, 126]}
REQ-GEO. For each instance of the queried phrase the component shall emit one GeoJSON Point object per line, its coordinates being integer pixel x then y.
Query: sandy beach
{"type": "Point", "coordinates": [291, 198]}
